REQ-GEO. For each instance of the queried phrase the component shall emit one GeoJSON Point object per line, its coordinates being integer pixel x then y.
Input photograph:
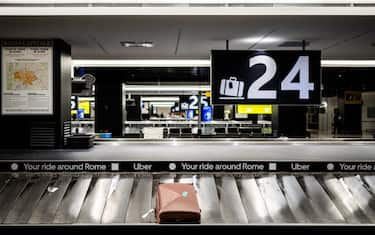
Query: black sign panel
{"type": "Point", "coordinates": [183, 167]}
{"type": "Point", "coordinates": [265, 77]}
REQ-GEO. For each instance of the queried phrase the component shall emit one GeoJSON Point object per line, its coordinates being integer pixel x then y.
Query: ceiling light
{"type": "Point", "coordinates": [166, 88]}
{"type": "Point", "coordinates": [127, 44]}
{"type": "Point", "coordinates": [162, 104]}
{"type": "Point", "coordinates": [148, 98]}
{"type": "Point", "coordinates": [141, 63]}
{"type": "Point", "coordinates": [348, 63]}
{"type": "Point", "coordinates": [147, 44]}
{"type": "Point", "coordinates": [137, 44]}
{"type": "Point", "coordinates": [260, 40]}
{"type": "Point", "coordinates": [176, 7]}
{"type": "Point", "coordinates": [197, 63]}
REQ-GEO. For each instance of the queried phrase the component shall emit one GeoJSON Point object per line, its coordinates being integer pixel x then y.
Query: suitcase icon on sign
{"type": "Point", "coordinates": [231, 87]}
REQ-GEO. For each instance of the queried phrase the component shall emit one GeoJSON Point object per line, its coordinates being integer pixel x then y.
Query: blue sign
{"type": "Point", "coordinates": [189, 114]}
{"type": "Point", "coordinates": [81, 114]}
{"type": "Point", "coordinates": [105, 135]}
{"type": "Point", "coordinates": [206, 113]}
{"type": "Point", "coordinates": [81, 72]}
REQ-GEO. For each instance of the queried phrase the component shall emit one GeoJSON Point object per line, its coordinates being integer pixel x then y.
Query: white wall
{"type": "Point", "coordinates": [164, 110]}
{"type": "Point", "coordinates": [326, 119]}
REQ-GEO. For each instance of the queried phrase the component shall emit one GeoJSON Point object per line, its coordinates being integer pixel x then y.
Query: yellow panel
{"type": "Point", "coordinates": [207, 93]}
{"type": "Point", "coordinates": [254, 109]}
{"type": "Point", "coordinates": [85, 105]}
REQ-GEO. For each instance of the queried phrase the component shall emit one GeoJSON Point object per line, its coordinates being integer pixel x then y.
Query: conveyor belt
{"type": "Point", "coordinates": [48, 204]}
{"type": "Point", "coordinates": [117, 200]}
{"type": "Point", "coordinates": [71, 205]}
{"type": "Point", "coordinates": [228, 199]}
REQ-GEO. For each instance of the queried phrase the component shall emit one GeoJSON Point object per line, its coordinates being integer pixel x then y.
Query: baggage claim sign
{"type": "Point", "coordinates": [266, 77]}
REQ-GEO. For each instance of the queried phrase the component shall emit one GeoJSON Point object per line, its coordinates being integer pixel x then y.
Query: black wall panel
{"type": "Point", "coordinates": [133, 109]}
{"type": "Point", "coordinates": [50, 131]}
{"type": "Point", "coordinates": [108, 104]}
{"type": "Point", "coordinates": [292, 121]}
{"type": "Point", "coordinates": [353, 119]}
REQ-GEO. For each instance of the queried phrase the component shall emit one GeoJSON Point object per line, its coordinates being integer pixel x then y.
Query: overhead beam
{"type": "Point", "coordinates": [283, 10]}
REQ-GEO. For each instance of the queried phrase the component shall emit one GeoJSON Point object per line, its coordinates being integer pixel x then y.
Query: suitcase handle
{"type": "Point", "coordinates": [233, 78]}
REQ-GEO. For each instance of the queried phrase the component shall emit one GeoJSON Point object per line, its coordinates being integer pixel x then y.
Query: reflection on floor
{"type": "Point", "coordinates": [105, 199]}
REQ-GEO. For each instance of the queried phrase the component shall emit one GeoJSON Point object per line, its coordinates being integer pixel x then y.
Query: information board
{"type": "Point", "coordinates": [27, 79]}
{"type": "Point", "coordinates": [265, 77]}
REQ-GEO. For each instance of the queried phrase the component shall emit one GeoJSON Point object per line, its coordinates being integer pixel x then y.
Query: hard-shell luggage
{"type": "Point", "coordinates": [177, 203]}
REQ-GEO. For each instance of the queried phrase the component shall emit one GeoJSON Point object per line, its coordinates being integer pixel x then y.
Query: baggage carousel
{"type": "Point", "coordinates": [316, 183]}
{"type": "Point", "coordinates": [225, 199]}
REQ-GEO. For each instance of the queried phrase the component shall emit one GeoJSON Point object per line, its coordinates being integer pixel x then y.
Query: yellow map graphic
{"type": "Point", "coordinates": [27, 76]}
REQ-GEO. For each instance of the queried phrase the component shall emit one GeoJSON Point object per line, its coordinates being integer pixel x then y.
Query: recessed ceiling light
{"type": "Point", "coordinates": [137, 44]}
{"type": "Point", "coordinates": [260, 40]}
{"type": "Point", "coordinates": [147, 44]}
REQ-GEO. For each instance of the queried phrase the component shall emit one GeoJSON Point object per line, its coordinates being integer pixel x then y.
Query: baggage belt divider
{"type": "Point", "coordinates": [186, 167]}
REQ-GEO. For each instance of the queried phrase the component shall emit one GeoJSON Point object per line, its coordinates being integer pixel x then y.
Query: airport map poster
{"type": "Point", "coordinates": [266, 77]}
{"type": "Point", "coordinates": [27, 80]}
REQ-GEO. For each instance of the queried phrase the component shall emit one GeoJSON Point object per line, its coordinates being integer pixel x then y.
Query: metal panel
{"type": "Point", "coordinates": [167, 179]}
{"type": "Point", "coordinates": [363, 198]}
{"type": "Point", "coordinates": [118, 200]}
{"type": "Point", "coordinates": [10, 194]}
{"type": "Point", "coordinates": [4, 179]}
{"type": "Point", "coordinates": [230, 202]}
{"type": "Point", "coordinates": [27, 201]}
{"type": "Point", "coordinates": [208, 200]}
{"type": "Point", "coordinates": [48, 205]}
{"type": "Point", "coordinates": [276, 203]}
{"type": "Point", "coordinates": [344, 201]}
{"type": "Point", "coordinates": [299, 204]}
{"type": "Point", "coordinates": [140, 201]}
{"type": "Point", "coordinates": [92, 209]}
{"type": "Point", "coordinates": [187, 179]}
{"type": "Point", "coordinates": [252, 200]}
{"type": "Point", "coordinates": [155, 183]}
{"type": "Point", "coordinates": [322, 204]}
{"type": "Point", "coordinates": [370, 181]}
{"type": "Point", "coordinates": [72, 202]}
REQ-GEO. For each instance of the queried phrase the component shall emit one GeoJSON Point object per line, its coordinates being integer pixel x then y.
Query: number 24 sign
{"type": "Point", "coordinates": [272, 77]}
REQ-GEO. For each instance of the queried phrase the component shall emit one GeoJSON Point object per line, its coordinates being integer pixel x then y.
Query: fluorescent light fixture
{"type": "Point", "coordinates": [137, 44]}
{"type": "Point", "coordinates": [147, 44]}
{"type": "Point", "coordinates": [141, 63]}
{"type": "Point", "coordinates": [197, 63]}
{"type": "Point", "coordinates": [162, 104]}
{"type": "Point", "coordinates": [348, 63]}
{"type": "Point", "coordinates": [86, 98]}
{"type": "Point", "coordinates": [148, 98]}
{"type": "Point", "coordinates": [166, 88]}
{"type": "Point", "coordinates": [260, 40]}
{"type": "Point", "coordinates": [181, 7]}
{"type": "Point", "coordinates": [182, 1]}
